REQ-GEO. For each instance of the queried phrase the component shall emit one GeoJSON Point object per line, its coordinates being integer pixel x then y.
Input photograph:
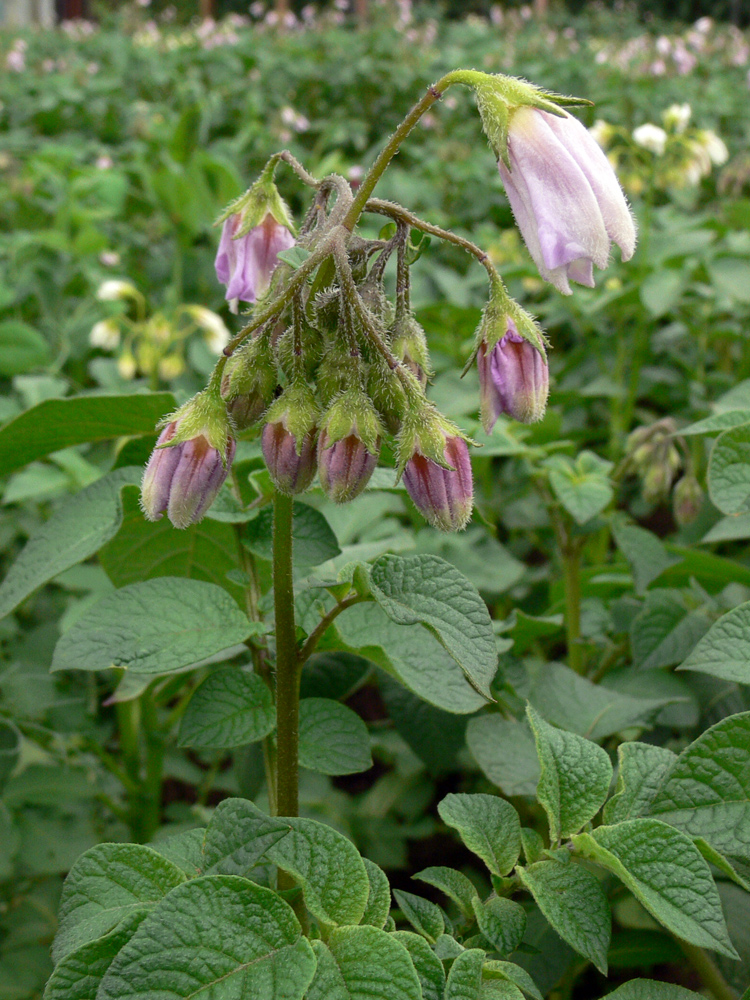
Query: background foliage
{"type": "Point", "coordinates": [120, 144]}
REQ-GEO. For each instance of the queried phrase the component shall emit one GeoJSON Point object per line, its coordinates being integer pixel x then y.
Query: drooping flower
{"type": "Point", "coordinates": [513, 379]}
{"type": "Point", "coordinates": [289, 437]}
{"type": "Point", "coordinates": [444, 497]}
{"type": "Point", "coordinates": [651, 137]}
{"type": "Point", "coordinates": [245, 263]}
{"type": "Point", "coordinates": [565, 197]}
{"type": "Point", "coordinates": [348, 446]}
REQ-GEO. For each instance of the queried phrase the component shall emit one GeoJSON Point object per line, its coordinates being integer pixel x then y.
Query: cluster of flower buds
{"type": "Point", "coordinates": [653, 455]}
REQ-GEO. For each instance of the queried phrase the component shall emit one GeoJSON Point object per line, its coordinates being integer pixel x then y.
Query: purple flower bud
{"type": "Point", "coordinates": [565, 197]}
{"type": "Point", "coordinates": [444, 496]}
{"type": "Point", "coordinates": [183, 479]}
{"type": "Point", "coordinates": [513, 379]}
{"type": "Point", "coordinates": [245, 264]}
{"type": "Point", "coordinates": [291, 471]}
{"type": "Point", "coordinates": [344, 466]}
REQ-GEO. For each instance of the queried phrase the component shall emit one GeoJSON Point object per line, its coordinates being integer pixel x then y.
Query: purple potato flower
{"type": "Point", "coordinates": [344, 466]}
{"type": "Point", "coordinates": [245, 263]}
{"type": "Point", "coordinates": [183, 479]}
{"type": "Point", "coordinates": [566, 199]}
{"type": "Point", "coordinates": [291, 470]}
{"type": "Point", "coordinates": [443, 496]}
{"type": "Point", "coordinates": [513, 379]}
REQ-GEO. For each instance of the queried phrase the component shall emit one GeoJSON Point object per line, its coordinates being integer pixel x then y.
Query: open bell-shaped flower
{"type": "Point", "coordinates": [565, 197]}
{"type": "Point", "coordinates": [190, 462]}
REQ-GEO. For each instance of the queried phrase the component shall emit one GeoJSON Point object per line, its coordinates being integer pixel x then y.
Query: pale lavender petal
{"type": "Point", "coordinates": [157, 477]}
{"type": "Point", "coordinates": [226, 256]}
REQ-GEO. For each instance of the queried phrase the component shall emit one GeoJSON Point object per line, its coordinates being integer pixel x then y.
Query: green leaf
{"type": "Point", "coordinates": [295, 257]}
{"type": "Point", "coordinates": [75, 531]}
{"type": "Point", "coordinates": [641, 769]}
{"type": "Point", "coordinates": [573, 901]}
{"type": "Point", "coordinates": [333, 675]}
{"type": "Point", "coordinates": [435, 736]}
{"type": "Point", "coordinates": [454, 884]}
{"type": "Point", "coordinates": [706, 792]}
{"type": "Point", "coordinates": [717, 422]}
{"type": "Point", "coordinates": [465, 976]}
{"type": "Point", "coordinates": [506, 752]}
{"type": "Point", "coordinates": [237, 837]}
{"type": "Point", "coordinates": [142, 550]}
{"type": "Point", "coordinates": [412, 655]}
{"type": "Point", "coordinates": [650, 989]}
{"type": "Point", "coordinates": [217, 935]}
{"type": "Point", "coordinates": [59, 423]}
{"type": "Point", "coordinates": [379, 896]}
{"type": "Point", "coordinates": [724, 651]}
{"type": "Point", "coordinates": [583, 486]}
{"type": "Point", "coordinates": [424, 916]}
{"type": "Point", "coordinates": [22, 348]}
{"type": "Point", "coordinates": [666, 873]}
{"type": "Point", "coordinates": [107, 884]}
{"type": "Point", "coordinates": [426, 590]}
{"type": "Point", "coordinates": [574, 780]}
{"type": "Point", "coordinates": [328, 868]}
{"type": "Point", "coordinates": [729, 470]}
{"type": "Point", "coordinates": [718, 860]}
{"type": "Point", "coordinates": [313, 541]}
{"type": "Point", "coordinates": [501, 921]}
{"type": "Point", "coordinates": [514, 974]}
{"type": "Point", "coordinates": [154, 627]}
{"type": "Point", "coordinates": [665, 631]}
{"type": "Point", "coordinates": [566, 699]}
{"type": "Point", "coordinates": [232, 707]}
{"type": "Point", "coordinates": [488, 825]}
{"type": "Point", "coordinates": [428, 966]}
{"type": "Point", "coordinates": [363, 963]}
{"type": "Point", "coordinates": [661, 290]}
{"type": "Point", "coordinates": [644, 551]}
{"type": "Point", "coordinates": [332, 738]}
{"type": "Point", "coordinates": [79, 974]}
{"type": "Point", "coordinates": [183, 849]}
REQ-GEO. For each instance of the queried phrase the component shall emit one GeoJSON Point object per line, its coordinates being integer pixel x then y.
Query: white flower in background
{"type": "Point", "coordinates": [126, 366]}
{"type": "Point", "coordinates": [601, 132]}
{"type": "Point", "coordinates": [114, 289]}
{"type": "Point", "coordinates": [714, 146]}
{"type": "Point", "coordinates": [677, 116]}
{"type": "Point", "coordinates": [663, 45]}
{"type": "Point", "coordinates": [217, 335]}
{"type": "Point", "coordinates": [109, 258]}
{"type": "Point", "coordinates": [104, 162]}
{"type": "Point", "coordinates": [650, 137]}
{"type": "Point", "coordinates": [703, 24]}
{"type": "Point", "coordinates": [15, 61]}
{"type": "Point", "coordinates": [294, 120]}
{"type": "Point", "coordinates": [105, 334]}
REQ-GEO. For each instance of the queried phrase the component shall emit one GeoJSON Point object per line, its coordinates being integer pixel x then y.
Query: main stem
{"type": "Point", "coordinates": [287, 662]}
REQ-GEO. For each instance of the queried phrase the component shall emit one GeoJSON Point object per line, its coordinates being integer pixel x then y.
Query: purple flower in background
{"type": "Point", "coordinates": [245, 264]}
{"type": "Point", "coordinates": [565, 197]}
{"type": "Point", "coordinates": [443, 496]}
{"type": "Point", "coordinates": [513, 379]}
{"type": "Point", "coordinates": [183, 479]}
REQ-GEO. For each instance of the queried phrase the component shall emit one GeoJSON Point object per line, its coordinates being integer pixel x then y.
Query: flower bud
{"type": "Point", "coordinates": [513, 379]}
{"type": "Point", "coordinates": [443, 496]}
{"type": "Point", "coordinates": [687, 500]}
{"type": "Point", "coordinates": [409, 345]}
{"type": "Point", "coordinates": [190, 462]}
{"type": "Point", "coordinates": [249, 382]}
{"type": "Point", "coordinates": [288, 439]}
{"type": "Point", "coordinates": [387, 394]}
{"type": "Point", "coordinates": [349, 446]}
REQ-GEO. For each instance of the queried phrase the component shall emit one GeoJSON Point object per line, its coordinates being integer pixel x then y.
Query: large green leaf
{"type": "Point", "coordinates": [144, 549]}
{"type": "Point", "coordinates": [313, 541]}
{"type": "Point", "coordinates": [644, 551]}
{"type": "Point", "coordinates": [706, 792]}
{"type": "Point", "coordinates": [425, 917]}
{"type": "Point", "coordinates": [506, 752]}
{"type": "Point", "coordinates": [428, 966]}
{"type": "Point", "coordinates": [363, 963]}
{"type": "Point", "coordinates": [465, 976]}
{"type": "Point", "coordinates": [665, 630]}
{"type": "Point", "coordinates": [641, 770]}
{"type": "Point", "coordinates": [412, 655]}
{"type": "Point", "coordinates": [219, 936]}
{"type": "Point", "coordinates": [488, 825]}
{"type": "Point", "coordinates": [453, 883]}
{"type": "Point", "coordinates": [154, 627]}
{"type": "Point", "coordinates": [502, 921]}
{"type": "Point", "coordinates": [332, 738]}
{"type": "Point", "coordinates": [327, 866]}
{"type": "Point", "coordinates": [107, 884]}
{"type": "Point", "coordinates": [574, 780]}
{"type": "Point", "coordinates": [435, 736]}
{"type": "Point", "coordinates": [231, 708]}
{"type": "Point", "coordinates": [379, 896]}
{"type": "Point", "coordinates": [426, 590]}
{"type": "Point", "coordinates": [650, 989]}
{"type": "Point", "coordinates": [59, 423]}
{"type": "Point", "coordinates": [237, 837]}
{"type": "Point", "coordinates": [729, 470]}
{"type": "Point", "coordinates": [724, 651]}
{"type": "Point", "coordinates": [22, 348]}
{"type": "Point", "coordinates": [573, 901]}
{"type": "Point", "coordinates": [582, 486]}
{"type": "Point", "coordinates": [666, 873]}
{"type": "Point", "coordinates": [75, 531]}
{"type": "Point", "coordinates": [79, 974]}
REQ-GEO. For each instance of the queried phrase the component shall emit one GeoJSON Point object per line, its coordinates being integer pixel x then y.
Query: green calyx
{"type": "Point", "coordinates": [205, 415]}
{"type": "Point", "coordinates": [250, 369]}
{"type": "Point", "coordinates": [352, 413]}
{"type": "Point", "coordinates": [425, 431]}
{"type": "Point", "coordinates": [409, 344]}
{"type": "Point", "coordinates": [493, 325]}
{"type": "Point", "coordinates": [297, 410]}
{"type": "Point", "coordinates": [260, 200]}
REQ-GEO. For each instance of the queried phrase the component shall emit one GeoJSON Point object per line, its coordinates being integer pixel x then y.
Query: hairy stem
{"type": "Point", "coordinates": [320, 629]}
{"type": "Point", "coordinates": [287, 662]}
